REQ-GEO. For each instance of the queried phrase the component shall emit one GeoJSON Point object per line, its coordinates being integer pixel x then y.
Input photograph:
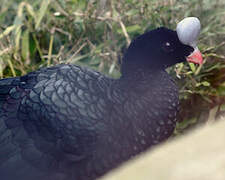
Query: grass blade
{"type": "Point", "coordinates": [42, 11]}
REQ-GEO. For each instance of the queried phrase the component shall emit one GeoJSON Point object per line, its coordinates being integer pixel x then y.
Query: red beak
{"type": "Point", "coordinates": [195, 57]}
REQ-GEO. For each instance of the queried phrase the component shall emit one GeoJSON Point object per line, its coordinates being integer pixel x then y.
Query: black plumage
{"type": "Point", "coordinates": [71, 123]}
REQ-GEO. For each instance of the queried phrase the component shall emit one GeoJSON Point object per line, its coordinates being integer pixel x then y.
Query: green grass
{"type": "Point", "coordinates": [37, 33]}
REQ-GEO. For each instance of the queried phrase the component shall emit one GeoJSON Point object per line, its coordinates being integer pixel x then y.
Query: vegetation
{"type": "Point", "coordinates": [95, 33]}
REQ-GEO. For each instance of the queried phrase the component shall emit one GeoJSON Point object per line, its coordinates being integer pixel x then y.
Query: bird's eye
{"type": "Point", "coordinates": [167, 47]}
{"type": "Point", "coordinates": [167, 44]}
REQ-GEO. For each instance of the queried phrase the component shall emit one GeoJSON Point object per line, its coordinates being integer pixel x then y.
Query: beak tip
{"type": "Point", "coordinates": [195, 57]}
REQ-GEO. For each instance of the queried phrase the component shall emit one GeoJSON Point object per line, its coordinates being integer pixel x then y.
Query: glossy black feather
{"type": "Point", "coordinates": [72, 123]}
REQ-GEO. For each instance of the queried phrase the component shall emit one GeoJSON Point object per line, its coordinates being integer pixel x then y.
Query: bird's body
{"type": "Point", "coordinates": [71, 123]}
{"type": "Point", "coordinates": [58, 118]}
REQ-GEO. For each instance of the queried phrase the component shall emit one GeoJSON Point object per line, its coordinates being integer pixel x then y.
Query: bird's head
{"type": "Point", "coordinates": [162, 47]}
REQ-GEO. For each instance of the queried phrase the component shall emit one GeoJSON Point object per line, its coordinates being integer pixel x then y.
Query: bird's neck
{"type": "Point", "coordinates": [140, 79]}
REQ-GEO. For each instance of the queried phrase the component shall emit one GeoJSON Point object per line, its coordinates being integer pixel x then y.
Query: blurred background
{"type": "Point", "coordinates": [95, 33]}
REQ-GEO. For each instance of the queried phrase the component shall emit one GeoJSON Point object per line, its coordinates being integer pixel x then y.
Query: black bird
{"type": "Point", "coordinates": [72, 123]}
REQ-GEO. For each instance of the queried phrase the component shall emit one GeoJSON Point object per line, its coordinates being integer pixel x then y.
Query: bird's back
{"type": "Point", "coordinates": [47, 119]}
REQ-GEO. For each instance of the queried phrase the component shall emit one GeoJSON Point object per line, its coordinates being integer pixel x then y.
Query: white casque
{"type": "Point", "coordinates": [188, 30]}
